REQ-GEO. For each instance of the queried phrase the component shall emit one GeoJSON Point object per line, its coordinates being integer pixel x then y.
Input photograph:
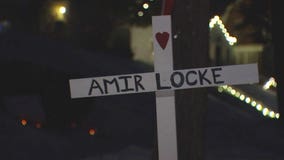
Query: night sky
{"type": "Point", "coordinates": [218, 6]}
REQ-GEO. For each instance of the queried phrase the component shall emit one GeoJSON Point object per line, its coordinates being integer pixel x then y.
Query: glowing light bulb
{"type": "Point", "coordinates": [24, 122]}
{"type": "Point", "coordinates": [242, 97]}
{"type": "Point", "coordinates": [272, 114]}
{"type": "Point", "coordinates": [145, 5]}
{"type": "Point", "coordinates": [92, 131]}
{"type": "Point", "coordinates": [247, 100]}
{"type": "Point", "coordinates": [220, 89]}
{"type": "Point", "coordinates": [62, 10]}
{"type": "Point", "coordinates": [265, 111]}
{"type": "Point", "coordinates": [253, 103]}
{"type": "Point", "coordinates": [140, 13]}
{"type": "Point", "coordinates": [277, 115]}
{"type": "Point", "coordinates": [259, 107]}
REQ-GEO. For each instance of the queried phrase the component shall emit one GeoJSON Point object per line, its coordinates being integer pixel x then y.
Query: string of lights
{"type": "Point", "coordinates": [38, 125]}
{"type": "Point", "coordinates": [217, 21]}
{"type": "Point", "coordinates": [267, 111]}
{"type": "Point", "coordinates": [145, 6]}
{"type": "Point", "coordinates": [270, 83]}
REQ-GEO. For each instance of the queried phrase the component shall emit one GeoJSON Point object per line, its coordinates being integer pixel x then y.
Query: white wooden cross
{"type": "Point", "coordinates": [164, 81]}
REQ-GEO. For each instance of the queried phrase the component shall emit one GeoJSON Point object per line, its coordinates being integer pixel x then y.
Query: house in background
{"type": "Point", "coordinates": [224, 49]}
{"type": "Point", "coordinates": [251, 23]}
{"type": "Point", "coordinates": [241, 35]}
{"type": "Point", "coordinates": [220, 43]}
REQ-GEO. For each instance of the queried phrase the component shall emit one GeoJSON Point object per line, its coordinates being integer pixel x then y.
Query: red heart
{"type": "Point", "coordinates": [162, 39]}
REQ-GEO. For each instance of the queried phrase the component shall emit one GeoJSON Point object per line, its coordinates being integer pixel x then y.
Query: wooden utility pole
{"type": "Point", "coordinates": [190, 48]}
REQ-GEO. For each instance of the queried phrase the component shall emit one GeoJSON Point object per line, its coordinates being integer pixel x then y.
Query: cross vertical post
{"type": "Point", "coordinates": [165, 100]}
